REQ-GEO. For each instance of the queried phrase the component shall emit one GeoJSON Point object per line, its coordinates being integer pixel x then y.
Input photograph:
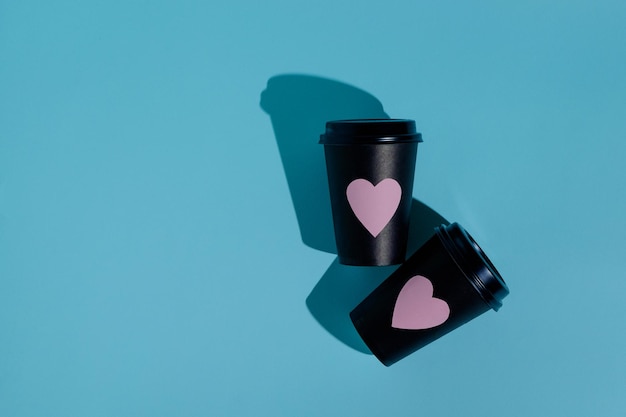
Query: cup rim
{"type": "Point", "coordinates": [474, 264]}
{"type": "Point", "coordinates": [370, 131]}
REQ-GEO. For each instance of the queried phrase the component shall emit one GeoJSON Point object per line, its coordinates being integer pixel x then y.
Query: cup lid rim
{"type": "Point", "coordinates": [357, 131]}
{"type": "Point", "coordinates": [474, 263]}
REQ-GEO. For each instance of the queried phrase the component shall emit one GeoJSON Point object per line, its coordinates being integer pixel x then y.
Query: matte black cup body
{"type": "Point", "coordinates": [443, 285]}
{"type": "Point", "coordinates": [371, 166]}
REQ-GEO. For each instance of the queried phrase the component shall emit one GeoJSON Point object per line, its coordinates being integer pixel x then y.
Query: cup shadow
{"type": "Point", "coordinates": [299, 106]}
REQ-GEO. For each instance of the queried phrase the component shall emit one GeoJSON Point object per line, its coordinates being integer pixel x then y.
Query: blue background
{"type": "Point", "coordinates": [152, 260]}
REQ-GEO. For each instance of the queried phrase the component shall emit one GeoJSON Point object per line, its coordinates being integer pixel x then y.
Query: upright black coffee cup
{"type": "Point", "coordinates": [371, 165]}
{"type": "Point", "coordinates": [444, 284]}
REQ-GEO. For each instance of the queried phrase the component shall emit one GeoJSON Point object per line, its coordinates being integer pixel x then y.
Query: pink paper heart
{"type": "Point", "coordinates": [416, 308]}
{"type": "Point", "coordinates": [374, 206]}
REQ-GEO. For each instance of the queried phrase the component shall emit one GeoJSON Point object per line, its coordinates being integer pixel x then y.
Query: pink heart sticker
{"type": "Point", "coordinates": [416, 308]}
{"type": "Point", "coordinates": [374, 206]}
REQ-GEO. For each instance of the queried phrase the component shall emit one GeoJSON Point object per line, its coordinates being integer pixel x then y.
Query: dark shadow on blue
{"type": "Point", "coordinates": [300, 106]}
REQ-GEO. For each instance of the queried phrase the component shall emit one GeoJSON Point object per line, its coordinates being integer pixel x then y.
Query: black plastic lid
{"type": "Point", "coordinates": [356, 131]}
{"type": "Point", "coordinates": [471, 259]}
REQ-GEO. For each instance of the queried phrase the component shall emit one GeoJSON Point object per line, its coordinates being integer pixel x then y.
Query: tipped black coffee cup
{"type": "Point", "coordinates": [443, 285]}
{"type": "Point", "coordinates": [371, 166]}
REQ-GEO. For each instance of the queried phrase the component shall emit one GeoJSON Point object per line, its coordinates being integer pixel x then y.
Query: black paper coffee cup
{"type": "Point", "coordinates": [443, 285]}
{"type": "Point", "coordinates": [371, 165]}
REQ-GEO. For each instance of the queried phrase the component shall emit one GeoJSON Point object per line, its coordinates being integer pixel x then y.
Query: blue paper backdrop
{"type": "Point", "coordinates": [154, 255]}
